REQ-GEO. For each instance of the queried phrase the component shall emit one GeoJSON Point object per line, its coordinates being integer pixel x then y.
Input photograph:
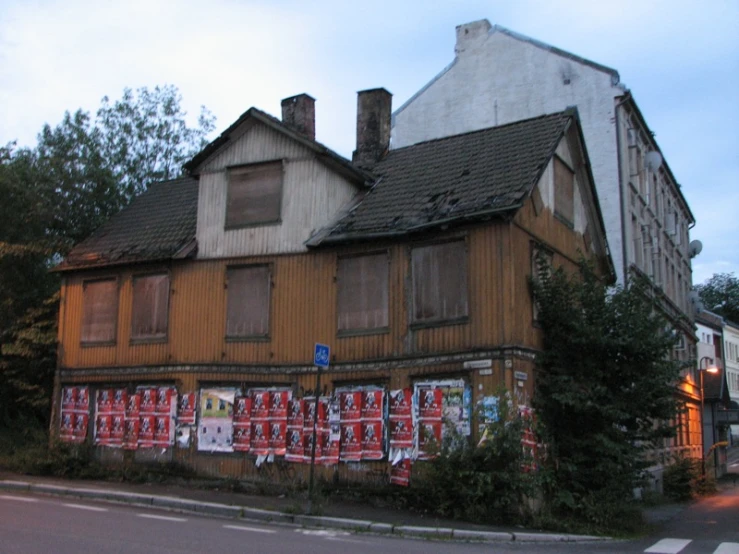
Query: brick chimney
{"type": "Point", "coordinates": [373, 125]}
{"type": "Point", "coordinates": [471, 35]}
{"type": "Point", "coordinates": [299, 113]}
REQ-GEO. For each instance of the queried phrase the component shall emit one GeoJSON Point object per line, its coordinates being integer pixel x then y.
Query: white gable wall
{"type": "Point", "coordinates": [498, 79]}
{"type": "Point", "coordinates": [311, 194]}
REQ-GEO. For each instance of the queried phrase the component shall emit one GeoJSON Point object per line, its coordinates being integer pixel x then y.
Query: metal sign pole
{"type": "Point", "coordinates": [313, 446]}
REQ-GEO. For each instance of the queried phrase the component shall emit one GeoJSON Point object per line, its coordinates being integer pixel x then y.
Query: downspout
{"type": "Point", "coordinates": [620, 186]}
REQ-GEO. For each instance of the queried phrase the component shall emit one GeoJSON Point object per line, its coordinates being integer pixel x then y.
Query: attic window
{"type": "Point", "coordinates": [564, 191]}
{"type": "Point", "coordinates": [254, 194]}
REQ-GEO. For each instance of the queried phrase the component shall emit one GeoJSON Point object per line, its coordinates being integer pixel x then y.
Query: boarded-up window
{"type": "Point", "coordinates": [254, 194]}
{"type": "Point", "coordinates": [439, 282]}
{"type": "Point", "coordinates": [564, 191]}
{"type": "Point", "coordinates": [248, 301]}
{"type": "Point", "coordinates": [150, 307]}
{"type": "Point", "coordinates": [362, 283]}
{"type": "Point", "coordinates": [100, 310]}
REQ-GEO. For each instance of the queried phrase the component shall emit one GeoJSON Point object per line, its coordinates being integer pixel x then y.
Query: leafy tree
{"type": "Point", "coordinates": [605, 388]}
{"type": "Point", "coordinates": [81, 172]}
{"type": "Point", "coordinates": [720, 294]}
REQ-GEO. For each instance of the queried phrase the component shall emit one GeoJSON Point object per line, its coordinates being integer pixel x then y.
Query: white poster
{"type": "Point", "coordinates": [215, 427]}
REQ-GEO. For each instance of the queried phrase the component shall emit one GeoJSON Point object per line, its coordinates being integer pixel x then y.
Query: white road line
{"type": "Point", "coordinates": [18, 498]}
{"type": "Point", "coordinates": [83, 507]}
{"type": "Point", "coordinates": [163, 518]}
{"type": "Point", "coordinates": [668, 546]}
{"type": "Point", "coordinates": [337, 539]}
{"type": "Point", "coordinates": [252, 529]}
{"type": "Point", "coordinates": [727, 548]}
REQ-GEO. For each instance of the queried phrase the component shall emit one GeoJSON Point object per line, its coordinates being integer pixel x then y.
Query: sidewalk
{"type": "Point", "coordinates": [341, 514]}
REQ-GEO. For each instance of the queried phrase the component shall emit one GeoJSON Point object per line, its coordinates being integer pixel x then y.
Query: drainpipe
{"type": "Point", "coordinates": [621, 194]}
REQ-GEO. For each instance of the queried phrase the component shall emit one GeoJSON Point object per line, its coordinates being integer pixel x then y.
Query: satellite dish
{"type": "Point", "coordinates": [695, 248]}
{"type": "Point", "coordinates": [653, 160]}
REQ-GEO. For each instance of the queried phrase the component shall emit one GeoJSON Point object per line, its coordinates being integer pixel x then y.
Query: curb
{"type": "Point", "coordinates": [254, 514]}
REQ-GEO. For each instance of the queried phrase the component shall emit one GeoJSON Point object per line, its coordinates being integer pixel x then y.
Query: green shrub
{"type": "Point", "coordinates": [682, 478]}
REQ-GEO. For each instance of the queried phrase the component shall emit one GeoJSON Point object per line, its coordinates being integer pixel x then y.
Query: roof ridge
{"type": "Point", "coordinates": [568, 112]}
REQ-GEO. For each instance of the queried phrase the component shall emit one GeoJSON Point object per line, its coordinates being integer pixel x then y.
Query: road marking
{"type": "Point", "coordinates": [727, 548]}
{"type": "Point", "coordinates": [252, 529]}
{"type": "Point", "coordinates": [322, 532]}
{"type": "Point", "coordinates": [163, 518]}
{"type": "Point", "coordinates": [668, 546]}
{"type": "Point", "coordinates": [337, 539]}
{"type": "Point", "coordinates": [18, 498]}
{"type": "Point", "coordinates": [83, 507]}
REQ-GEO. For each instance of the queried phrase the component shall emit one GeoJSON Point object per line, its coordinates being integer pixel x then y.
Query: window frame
{"type": "Point", "coordinates": [150, 338]}
{"type": "Point", "coordinates": [563, 217]}
{"type": "Point", "coordinates": [442, 321]}
{"type": "Point", "coordinates": [357, 331]}
{"type": "Point", "coordinates": [270, 284]}
{"type": "Point", "coordinates": [228, 226]}
{"type": "Point", "coordinates": [537, 248]}
{"type": "Point", "coordinates": [117, 285]}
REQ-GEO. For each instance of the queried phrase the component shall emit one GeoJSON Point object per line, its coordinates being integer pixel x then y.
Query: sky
{"type": "Point", "coordinates": [679, 58]}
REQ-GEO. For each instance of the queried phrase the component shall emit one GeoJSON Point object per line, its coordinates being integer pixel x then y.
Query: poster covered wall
{"type": "Point", "coordinates": [75, 413]}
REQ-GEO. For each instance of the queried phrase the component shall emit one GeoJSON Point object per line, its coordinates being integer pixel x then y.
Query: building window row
{"type": "Point", "coordinates": [439, 296]}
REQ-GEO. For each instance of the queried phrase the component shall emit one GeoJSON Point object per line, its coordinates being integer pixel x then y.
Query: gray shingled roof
{"type": "Point", "coordinates": [158, 225]}
{"type": "Point", "coordinates": [456, 178]}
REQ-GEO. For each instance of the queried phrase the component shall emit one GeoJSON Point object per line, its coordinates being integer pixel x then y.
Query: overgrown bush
{"type": "Point", "coordinates": [482, 483]}
{"type": "Point", "coordinates": [683, 479]}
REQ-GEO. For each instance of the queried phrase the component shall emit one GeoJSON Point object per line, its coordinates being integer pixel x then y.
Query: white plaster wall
{"type": "Point", "coordinates": [498, 79]}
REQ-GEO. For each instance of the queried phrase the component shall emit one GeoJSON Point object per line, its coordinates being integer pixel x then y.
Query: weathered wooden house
{"type": "Point", "coordinates": [412, 264]}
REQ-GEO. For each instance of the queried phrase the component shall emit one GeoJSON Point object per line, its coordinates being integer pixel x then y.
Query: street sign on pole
{"type": "Point", "coordinates": [322, 355]}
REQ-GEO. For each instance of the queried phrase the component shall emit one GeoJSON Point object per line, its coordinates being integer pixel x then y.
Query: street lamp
{"type": "Point", "coordinates": [710, 368]}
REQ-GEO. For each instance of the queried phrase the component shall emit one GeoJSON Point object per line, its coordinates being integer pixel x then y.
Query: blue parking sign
{"type": "Point", "coordinates": [321, 356]}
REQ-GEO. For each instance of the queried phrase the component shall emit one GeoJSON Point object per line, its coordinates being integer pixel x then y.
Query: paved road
{"type": "Point", "coordinates": [34, 523]}
{"type": "Point", "coordinates": [37, 524]}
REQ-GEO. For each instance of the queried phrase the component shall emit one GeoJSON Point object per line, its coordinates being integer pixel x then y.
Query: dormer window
{"type": "Point", "coordinates": [254, 194]}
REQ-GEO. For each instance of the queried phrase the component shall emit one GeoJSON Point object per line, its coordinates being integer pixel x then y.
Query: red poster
{"type": "Point", "coordinates": [186, 409]}
{"type": "Point", "coordinates": [82, 400]}
{"type": "Point", "coordinates": [146, 430]}
{"type": "Point", "coordinates": [260, 437]}
{"type": "Point", "coordinates": [308, 444]}
{"type": "Point", "coordinates": [429, 402]}
{"type": "Point", "coordinates": [259, 405]}
{"type": "Point", "coordinates": [429, 439]}
{"type": "Point", "coordinates": [309, 409]}
{"type": "Point", "coordinates": [400, 474]}
{"type": "Point", "coordinates": [105, 401]}
{"type": "Point", "coordinates": [69, 398]}
{"type": "Point", "coordinates": [372, 440]}
{"type": "Point", "coordinates": [119, 401]}
{"type": "Point", "coordinates": [351, 406]}
{"type": "Point", "coordinates": [66, 429]}
{"type": "Point", "coordinates": [117, 429]}
{"type": "Point", "coordinates": [80, 427]}
{"type": "Point", "coordinates": [351, 441]}
{"type": "Point", "coordinates": [278, 437]}
{"type": "Point", "coordinates": [242, 409]}
{"type": "Point", "coordinates": [295, 413]}
{"type": "Point", "coordinates": [164, 400]}
{"type": "Point", "coordinates": [401, 432]}
{"type": "Point", "coordinates": [372, 404]}
{"type": "Point", "coordinates": [161, 431]}
{"type": "Point", "coordinates": [400, 403]}
{"type": "Point", "coordinates": [242, 438]}
{"type": "Point", "coordinates": [131, 433]}
{"type": "Point", "coordinates": [103, 424]}
{"type": "Point", "coordinates": [330, 446]}
{"type": "Point", "coordinates": [133, 406]}
{"type": "Point", "coordinates": [278, 404]}
{"type": "Point", "coordinates": [294, 448]}
{"type": "Point", "coordinates": [148, 401]}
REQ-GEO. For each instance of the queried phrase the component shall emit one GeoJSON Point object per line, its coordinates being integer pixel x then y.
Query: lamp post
{"type": "Point", "coordinates": [710, 368]}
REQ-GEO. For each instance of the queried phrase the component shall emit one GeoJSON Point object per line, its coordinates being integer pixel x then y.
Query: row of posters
{"type": "Point", "coordinates": [75, 414]}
